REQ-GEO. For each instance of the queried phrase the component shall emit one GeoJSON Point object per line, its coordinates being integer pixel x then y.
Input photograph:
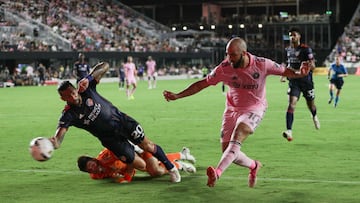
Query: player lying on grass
{"type": "Point", "coordinates": [107, 165]}
{"type": "Point", "coordinates": [87, 109]}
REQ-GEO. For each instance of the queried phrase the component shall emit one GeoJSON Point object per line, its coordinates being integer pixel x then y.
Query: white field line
{"type": "Point", "coordinates": [298, 180]}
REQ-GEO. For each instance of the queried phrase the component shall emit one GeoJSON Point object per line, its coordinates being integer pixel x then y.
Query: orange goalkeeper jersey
{"type": "Point", "coordinates": [113, 166]}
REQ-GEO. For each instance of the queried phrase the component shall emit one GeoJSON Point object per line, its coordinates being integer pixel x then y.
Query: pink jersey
{"type": "Point", "coordinates": [150, 64]}
{"type": "Point", "coordinates": [130, 72]}
{"type": "Point", "coordinates": [246, 85]}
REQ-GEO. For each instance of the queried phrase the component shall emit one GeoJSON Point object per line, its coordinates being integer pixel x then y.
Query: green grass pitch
{"type": "Point", "coordinates": [318, 166]}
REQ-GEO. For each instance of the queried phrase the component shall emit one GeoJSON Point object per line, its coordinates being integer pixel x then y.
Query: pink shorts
{"type": "Point", "coordinates": [131, 81]}
{"type": "Point", "coordinates": [232, 118]}
{"type": "Point", "coordinates": [151, 73]}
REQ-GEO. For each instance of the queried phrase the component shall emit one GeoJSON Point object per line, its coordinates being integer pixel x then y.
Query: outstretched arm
{"type": "Point", "coordinates": [192, 89]}
{"type": "Point", "coordinates": [58, 137]}
{"type": "Point", "coordinates": [304, 70]}
{"type": "Point", "coordinates": [97, 72]}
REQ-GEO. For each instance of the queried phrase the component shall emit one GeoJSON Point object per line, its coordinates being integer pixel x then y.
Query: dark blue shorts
{"type": "Point", "coordinates": [127, 129]}
{"type": "Point", "coordinates": [338, 83]}
{"type": "Point", "coordinates": [306, 87]}
{"type": "Point", "coordinates": [123, 150]}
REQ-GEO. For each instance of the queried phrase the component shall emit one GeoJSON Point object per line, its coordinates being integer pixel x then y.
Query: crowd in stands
{"type": "Point", "coordinates": [348, 44]}
{"type": "Point", "coordinates": [109, 26]}
{"type": "Point", "coordinates": [88, 26]}
{"type": "Point", "coordinates": [27, 74]}
{"type": "Point", "coordinates": [278, 18]}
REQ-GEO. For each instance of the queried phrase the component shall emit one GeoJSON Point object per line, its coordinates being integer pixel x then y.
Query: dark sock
{"type": "Point", "coordinates": [161, 156]}
{"type": "Point", "coordinates": [289, 120]}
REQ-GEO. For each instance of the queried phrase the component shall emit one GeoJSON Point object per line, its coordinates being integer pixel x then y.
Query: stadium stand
{"type": "Point", "coordinates": [78, 26]}
{"type": "Point", "coordinates": [53, 32]}
{"type": "Point", "coordinates": [348, 45]}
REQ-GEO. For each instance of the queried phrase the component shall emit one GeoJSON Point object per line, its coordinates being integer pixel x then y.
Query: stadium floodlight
{"type": "Point", "coordinates": [173, 28]}
{"type": "Point", "coordinates": [213, 27]}
{"type": "Point", "coordinates": [184, 27]}
{"type": "Point", "coordinates": [230, 26]}
{"type": "Point", "coordinates": [260, 25]}
{"type": "Point", "coordinates": [242, 26]}
{"type": "Point", "coordinates": [201, 27]}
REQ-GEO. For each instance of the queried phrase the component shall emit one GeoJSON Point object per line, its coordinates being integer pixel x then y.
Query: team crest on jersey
{"type": "Point", "coordinates": [89, 102]}
{"type": "Point", "coordinates": [256, 75]}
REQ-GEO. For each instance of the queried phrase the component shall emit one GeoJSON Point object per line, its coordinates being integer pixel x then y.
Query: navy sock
{"type": "Point", "coordinates": [289, 120]}
{"type": "Point", "coordinates": [161, 156]}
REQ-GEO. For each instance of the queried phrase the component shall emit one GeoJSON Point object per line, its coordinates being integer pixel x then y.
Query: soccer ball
{"type": "Point", "coordinates": [41, 148]}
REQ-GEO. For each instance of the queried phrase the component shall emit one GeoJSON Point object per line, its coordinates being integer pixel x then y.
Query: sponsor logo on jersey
{"type": "Point", "coordinates": [95, 112]}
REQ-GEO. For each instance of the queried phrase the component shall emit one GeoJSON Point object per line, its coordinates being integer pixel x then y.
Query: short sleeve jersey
{"type": "Point", "coordinates": [121, 73]}
{"type": "Point", "coordinates": [337, 70]}
{"type": "Point", "coordinates": [296, 55]}
{"type": "Point", "coordinates": [246, 85]}
{"type": "Point", "coordinates": [82, 70]}
{"type": "Point", "coordinates": [130, 69]}
{"type": "Point", "coordinates": [150, 65]}
{"type": "Point", "coordinates": [95, 115]}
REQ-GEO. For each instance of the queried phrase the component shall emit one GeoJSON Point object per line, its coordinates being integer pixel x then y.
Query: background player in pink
{"type": "Point", "coordinates": [245, 75]}
{"type": "Point", "coordinates": [150, 66]}
{"type": "Point", "coordinates": [130, 77]}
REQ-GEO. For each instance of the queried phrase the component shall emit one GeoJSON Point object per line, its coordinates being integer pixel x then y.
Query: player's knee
{"type": "Point", "coordinates": [292, 105]}
{"type": "Point", "coordinates": [243, 129]}
{"type": "Point", "coordinates": [139, 164]}
{"type": "Point", "coordinates": [147, 145]}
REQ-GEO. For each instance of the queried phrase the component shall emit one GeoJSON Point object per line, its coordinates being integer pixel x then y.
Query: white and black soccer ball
{"type": "Point", "coordinates": [41, 148]}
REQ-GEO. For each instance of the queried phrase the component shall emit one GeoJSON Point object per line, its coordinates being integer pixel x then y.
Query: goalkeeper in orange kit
{"type": "Point", "coordinates": [107, 165]}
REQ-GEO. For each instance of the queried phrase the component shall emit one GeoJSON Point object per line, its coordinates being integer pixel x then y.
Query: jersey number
{"type": "Point", "coordinates": [138, 132]}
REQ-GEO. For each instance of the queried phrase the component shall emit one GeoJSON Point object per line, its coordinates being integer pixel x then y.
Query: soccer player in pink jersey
{"type": "Point", "coordinates": [130, 77]}
{"type": "Point", "coordinates": [150, 66]}
{"type": "Point", "coordinates": [245, 75]}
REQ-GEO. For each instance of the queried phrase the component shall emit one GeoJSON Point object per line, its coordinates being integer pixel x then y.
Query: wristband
{"type": "Point", "coordinates": [90, 78]}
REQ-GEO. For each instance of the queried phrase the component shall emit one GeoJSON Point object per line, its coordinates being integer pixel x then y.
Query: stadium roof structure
{"type": "Point", "coordinates": [223, 3]}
